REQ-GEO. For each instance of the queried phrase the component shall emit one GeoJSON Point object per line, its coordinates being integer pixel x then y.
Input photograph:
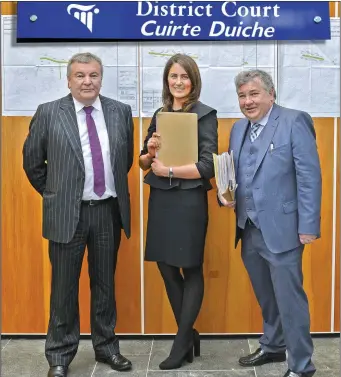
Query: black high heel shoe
{"type": "Point", "coordinates": [190, 355]}
{"type": "Point", "coordinates": [174, 361]}
{"type": "Point", "coordinates": [195, 350]}
{"type": "Point", "coordinates": [196, 343]}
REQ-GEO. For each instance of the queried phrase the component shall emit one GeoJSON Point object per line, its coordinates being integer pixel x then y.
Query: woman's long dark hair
{"type": "Point", "coordinates": [192, 70]}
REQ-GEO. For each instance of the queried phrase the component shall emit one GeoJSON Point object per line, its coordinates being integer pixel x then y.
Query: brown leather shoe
{"type": "Point", "coordinates": [58, 371]}
{"type": "Point", "coordinates": [260, 357]}
{"type": "Point", "coordinates": [117, 362]}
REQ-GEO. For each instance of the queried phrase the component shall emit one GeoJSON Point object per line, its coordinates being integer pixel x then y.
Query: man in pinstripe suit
{"type": "Point", "coordinates": [77, 155]}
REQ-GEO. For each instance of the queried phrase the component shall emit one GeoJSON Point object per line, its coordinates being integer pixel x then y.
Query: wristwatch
{"type": "Point", "coordinates": [170, 176]}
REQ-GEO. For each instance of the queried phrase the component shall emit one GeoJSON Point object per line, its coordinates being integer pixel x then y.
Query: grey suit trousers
{"type": "Point", "coordinates": [277, 281]}
{"type": "Point", "coordinates": [99, 229]}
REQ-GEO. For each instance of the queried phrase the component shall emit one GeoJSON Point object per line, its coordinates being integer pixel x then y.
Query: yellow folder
{"type": "Point", "coordinates": [179, 138]}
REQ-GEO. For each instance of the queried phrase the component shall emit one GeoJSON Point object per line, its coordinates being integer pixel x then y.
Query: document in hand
{"type": "Point", "coordinates": [225, 175]}
{"type": "Point", "coordinates": [179, 138]}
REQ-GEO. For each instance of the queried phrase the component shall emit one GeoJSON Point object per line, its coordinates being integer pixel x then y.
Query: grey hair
{"type": "Point", "coordinates": [83, 57]}
{"type": "Point", "coordinates": [246, 76]}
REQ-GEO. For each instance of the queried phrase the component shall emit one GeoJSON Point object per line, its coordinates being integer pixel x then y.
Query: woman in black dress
{"type": "Point", "coordinates": [178, 214]}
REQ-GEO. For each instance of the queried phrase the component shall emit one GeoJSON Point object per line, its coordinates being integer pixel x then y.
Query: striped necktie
{"type": "Point", "coordinates": [254, 131]}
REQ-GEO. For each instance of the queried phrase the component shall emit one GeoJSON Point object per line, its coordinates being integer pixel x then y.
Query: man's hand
{"type": "Point", "coordinates": [224, 202]}
{"type": "Point", "coordinates": [159, 168]}
{"type": "Point", "coordinates": [307, 238]}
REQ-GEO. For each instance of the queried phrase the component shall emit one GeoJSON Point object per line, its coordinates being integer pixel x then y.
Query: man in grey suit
{"type": "Point", "coordinates": [278, 203]}
{"type": "Point", "coordinates": [77, 155]}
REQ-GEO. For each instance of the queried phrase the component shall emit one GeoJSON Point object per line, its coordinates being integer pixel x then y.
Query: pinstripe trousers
{"type": "Point", "coordinates": [99, 229]}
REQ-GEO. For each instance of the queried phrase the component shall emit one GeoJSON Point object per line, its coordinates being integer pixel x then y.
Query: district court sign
{"type": "Point", "coordinates": [167, 20]}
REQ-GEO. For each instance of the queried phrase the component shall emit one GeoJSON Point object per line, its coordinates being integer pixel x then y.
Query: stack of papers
{"type": "Point", "coordinates": [225, 175]}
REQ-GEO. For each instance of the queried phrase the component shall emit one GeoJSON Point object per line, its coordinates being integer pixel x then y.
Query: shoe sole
{"type": "Point", "coordinates": [267, 361]}
{"type": "Point", "coordinates": [119, 369]}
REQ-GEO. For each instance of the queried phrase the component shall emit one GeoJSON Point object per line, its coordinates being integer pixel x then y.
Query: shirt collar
{"type": "Point", "coordinates": [265, 119]}
{"type": "Point", "coordinates": [79, 106]}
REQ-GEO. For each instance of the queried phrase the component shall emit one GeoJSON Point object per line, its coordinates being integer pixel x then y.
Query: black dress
{"type": "Point", "coordinates": [178, 213]}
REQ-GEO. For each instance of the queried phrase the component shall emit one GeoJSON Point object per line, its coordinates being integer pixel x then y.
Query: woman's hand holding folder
{"type": "Point", "coordinates": [159, 168]}
{"type": "Point", "coordinates": [154, 144]}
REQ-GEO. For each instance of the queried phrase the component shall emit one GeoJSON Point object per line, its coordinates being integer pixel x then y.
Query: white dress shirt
{"type": "Point", "coordinates": [262, 122]}
{"type": "Point", "coordinates": [98, 116]}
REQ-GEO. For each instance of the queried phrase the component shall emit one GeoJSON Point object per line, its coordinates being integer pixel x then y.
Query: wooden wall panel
{"type": "Point", "coordinates": [23, 283]}
{"type": "Point", "coordinates": [8, 8]}
{"type": "Point", "coordinates": [25, 256]}
{"type": "Point", "coordinates": [317, 257]}
{"type": "Point", "coordinates": [332, 8]}
{"type": "Point", "coordinates": [128, 273]}
{"type": "Point", "coordinates": [338, 244]}
{"type": "Point", "coordinates": [25, 264]}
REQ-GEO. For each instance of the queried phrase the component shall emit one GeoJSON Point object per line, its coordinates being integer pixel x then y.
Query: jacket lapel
{"type": "Point", "coordinates": [268, 133]}
{"type": "Point", "coordinates": [68, 120]}
{"type": "Point", "coordinates": [240, 136]}
{"type": "Point", "coordinates": [111, 120]}
{"type": "Point", "coordinates": [200, 109]}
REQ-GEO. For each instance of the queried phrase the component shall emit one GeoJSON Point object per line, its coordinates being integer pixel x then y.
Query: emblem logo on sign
{"type": "Point", "coordinates": [83, 13]}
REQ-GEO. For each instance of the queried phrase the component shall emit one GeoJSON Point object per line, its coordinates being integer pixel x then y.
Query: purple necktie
{"type": "Point", "coordinates": [96, 152]}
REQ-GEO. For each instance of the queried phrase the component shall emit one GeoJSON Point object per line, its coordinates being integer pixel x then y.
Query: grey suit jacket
{"type": "Point", "coordinates": [287, 179]}
{"type": "Point", "coordinates": [53, 162]}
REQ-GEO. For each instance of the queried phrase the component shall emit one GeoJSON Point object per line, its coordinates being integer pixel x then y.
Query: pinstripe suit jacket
{"type": "Point", "coordinates": [54, 164]}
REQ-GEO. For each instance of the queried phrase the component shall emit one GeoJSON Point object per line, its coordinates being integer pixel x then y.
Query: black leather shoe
{"type": "Point", "coordinates": [290, 373]}
{"type": "Point", "coordinates": [260, 357]}
{"type": "Point", "coordinates": [58, 371]}
{"type": "Point", "coordinates": [117, 362]}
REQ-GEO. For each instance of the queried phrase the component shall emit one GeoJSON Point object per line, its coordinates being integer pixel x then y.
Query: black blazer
{"type": "Point", "coordinates": [208, 144]}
